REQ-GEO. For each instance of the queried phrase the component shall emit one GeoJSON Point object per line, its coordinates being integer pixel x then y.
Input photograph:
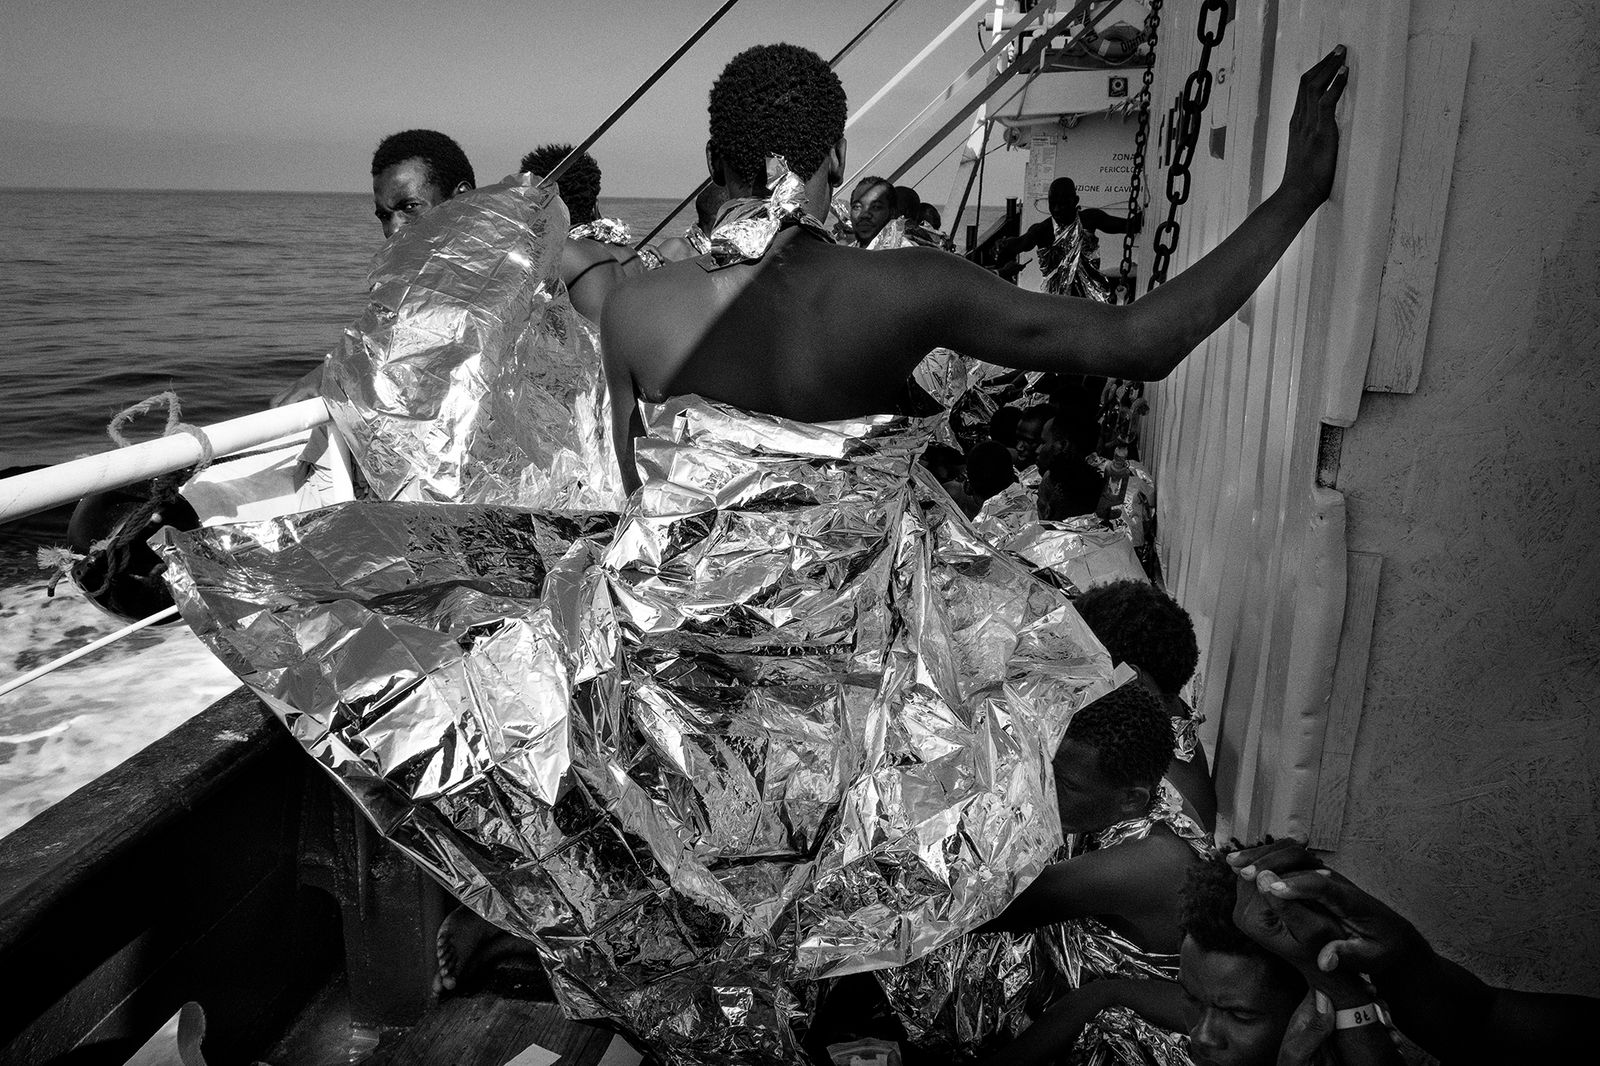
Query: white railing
{"type": "Point", "coordinates": [40, 490]}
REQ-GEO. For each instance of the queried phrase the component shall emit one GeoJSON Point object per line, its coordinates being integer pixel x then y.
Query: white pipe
{"type": "Point", "coordinates": [94, 645]}
{"type": "Point", "coordinates": [944, 35]}
{"type": "Point", "coordinates": [961, 81]}
{"type": "Point", "coordinates": [40, 490]}
{"type": "Point", "coordinates": [1030, 54]}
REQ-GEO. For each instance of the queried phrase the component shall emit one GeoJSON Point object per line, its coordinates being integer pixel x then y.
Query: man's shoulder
{"type": "Point", "coordinates": [1159, 846]}
{"type": "Point", "coordinates": [912, 260]}
{"type": "Point", "coordinates": [587, 249]}
{"type": "Point", "coordinates": [1162, 845]}
{"type": "Point", "coordinates": [676, 249]}
{"type": "Point", "coordinates": [653, 297]}
{"type": "Point", "coordinates": [679, 276]}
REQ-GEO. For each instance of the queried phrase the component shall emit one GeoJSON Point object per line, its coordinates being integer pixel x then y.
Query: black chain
{"type": "Point", "coordinates": [1191, 106]}
{"type": "Point", "coordinates": [1141, 139]}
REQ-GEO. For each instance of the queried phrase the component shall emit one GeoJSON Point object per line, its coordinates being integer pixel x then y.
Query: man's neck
{"type": "Point", "coordinates": [819, 193]}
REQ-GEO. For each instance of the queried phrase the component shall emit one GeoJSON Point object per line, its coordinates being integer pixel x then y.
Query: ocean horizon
{"type": "Point", "coordinates": [111, 296]}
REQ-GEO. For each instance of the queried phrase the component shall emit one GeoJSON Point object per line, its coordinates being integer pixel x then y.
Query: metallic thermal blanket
{"type": "Point", "coordinates": [968, 997]}
{"type": "Point", "coordinates": [470, 378]}
{"type": "Point", "coordinates": [1082, 552]}
{"type": "Point", "coordinates": [786, 718]}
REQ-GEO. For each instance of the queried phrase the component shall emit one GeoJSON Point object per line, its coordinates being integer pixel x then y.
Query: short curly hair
{"type": "Point", "coordinates": [442, 157]}
{"type": "Point", "coordinates": [1140, 624]}
{"type": "Point", "coordinates": [1207, 896]}
{"type": "Point", "coordinates": [871, 181]}
{"type": "Point", "coordinates": [1129, 729]}
{"type": "Point", "coordinates": [579, 183]}
{"type": "Point", "coordinates": [775, 99]}
{"type": "Point", "coordinates": [989, 470]}
{"type": "Point", "coordinates": [907, 202]}
{"type": "Point", "coordinates": [1003, 425]}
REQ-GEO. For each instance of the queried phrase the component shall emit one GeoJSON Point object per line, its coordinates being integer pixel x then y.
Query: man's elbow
{"type": "Point", "coordinates": [1160, 366]}
{"type": "Point", "coordinates": [1170, 354]}
{"type": "Point", "coordinates": [1152, 346]}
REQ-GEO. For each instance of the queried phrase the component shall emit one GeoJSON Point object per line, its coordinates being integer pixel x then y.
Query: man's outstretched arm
{"type": "Point", "coordinates": [965, 308]}
{"type": "Point", "coordinates": [1036, 236]}
{"type": "Point", "coordinates": [1103, 222]}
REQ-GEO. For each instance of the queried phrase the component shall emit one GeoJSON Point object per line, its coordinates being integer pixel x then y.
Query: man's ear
{"type": "Point", "coordinates": [1135, 800]}
{"type": "Point", "coordinates": [714, 167]}
{"type": "Point", "coordinates": [835, 164]}
{"type": "Point", "coordinates": [461, 187]}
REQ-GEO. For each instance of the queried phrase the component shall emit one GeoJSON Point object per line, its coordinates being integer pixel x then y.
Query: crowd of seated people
{"type": "Point", "coordinates": [880, 215]}
{"type": "Point", "coordinates": [1073, 444]}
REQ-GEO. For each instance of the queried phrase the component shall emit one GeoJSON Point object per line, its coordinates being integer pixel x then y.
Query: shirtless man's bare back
{"type": "Point", "coordinates": [816, 331]}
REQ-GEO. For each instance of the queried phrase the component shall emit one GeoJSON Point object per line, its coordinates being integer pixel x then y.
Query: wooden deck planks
{"type": "Point", "coordinates": [488, 1030]}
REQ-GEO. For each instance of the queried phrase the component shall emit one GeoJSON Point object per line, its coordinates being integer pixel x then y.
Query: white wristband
{"type": "Point", "coordinates": [1356, 1017]}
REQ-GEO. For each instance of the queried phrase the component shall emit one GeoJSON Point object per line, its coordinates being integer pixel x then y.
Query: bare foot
{"type": "Point", "coordinates": [467, 945]}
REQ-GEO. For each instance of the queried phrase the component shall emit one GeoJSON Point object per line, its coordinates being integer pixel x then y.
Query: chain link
{"type": "Point", "coordinates": [1141, 141]}
{"type": "Point", "coordinates": [1191, 107]}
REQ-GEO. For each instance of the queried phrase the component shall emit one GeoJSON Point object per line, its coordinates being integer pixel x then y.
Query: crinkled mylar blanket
{"type": "Point", "coordinates": [470, 378]}
{"type": "Point", "coordinates": [784, 718]}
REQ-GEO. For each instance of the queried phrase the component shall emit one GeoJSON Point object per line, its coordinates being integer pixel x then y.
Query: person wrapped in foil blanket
{"type": "Point", "coordinates": [470, 378]}
{"type": "Point", "coordinates": [969, 995]}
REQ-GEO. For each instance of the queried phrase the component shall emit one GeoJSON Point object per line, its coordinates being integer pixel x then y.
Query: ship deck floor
{"type": "Point", "coordinates": [479, 1028]}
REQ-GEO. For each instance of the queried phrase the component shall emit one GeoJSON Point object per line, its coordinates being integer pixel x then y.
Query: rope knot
{"type": "Point", "coordinates": [169, 400]}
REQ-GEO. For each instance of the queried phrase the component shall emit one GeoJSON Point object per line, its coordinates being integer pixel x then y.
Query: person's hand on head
{"type": "Point", "coordinates": [1313, 152]}
{"type": "Point", "coordinates": [1292, 932]}
{"type": "Point", "coordinates": [1362, 934]}
{"type": "Point", "coordinates": [1309, 1029]}
{"type": "Point", "coordinates": [1288, 854]}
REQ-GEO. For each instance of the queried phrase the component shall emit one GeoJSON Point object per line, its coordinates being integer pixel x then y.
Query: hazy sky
{"type": "Point", "coordinates": [294, 94]}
